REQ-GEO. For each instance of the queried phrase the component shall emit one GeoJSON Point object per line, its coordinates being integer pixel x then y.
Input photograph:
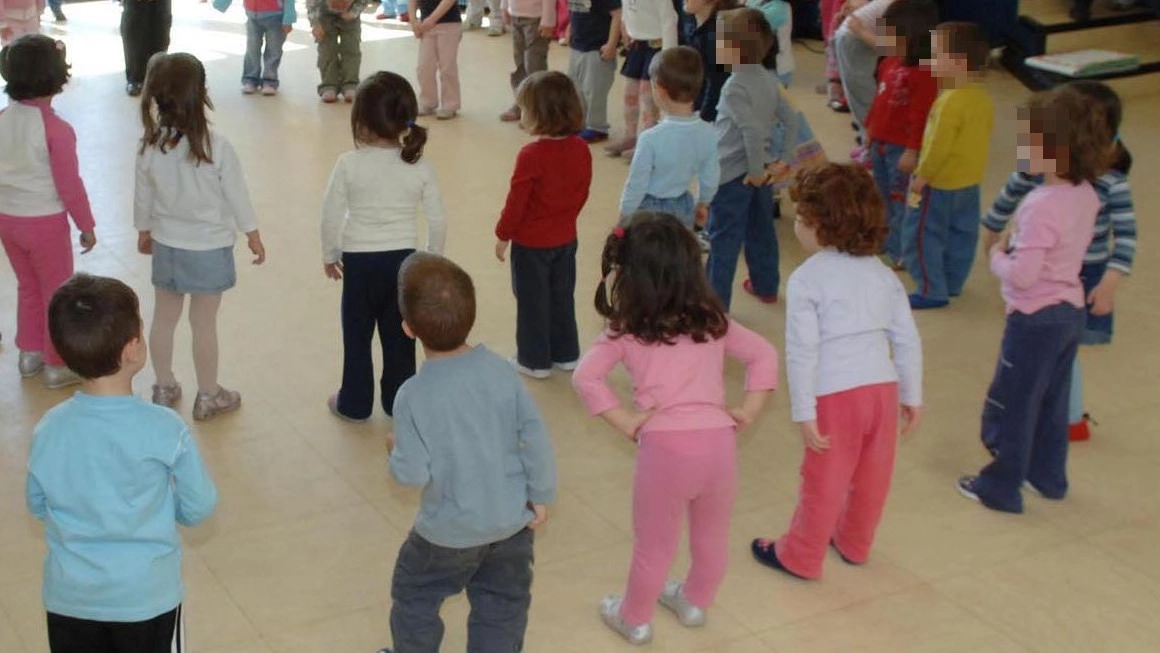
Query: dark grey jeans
{"type": "Point", "coordinates": [498, 580]}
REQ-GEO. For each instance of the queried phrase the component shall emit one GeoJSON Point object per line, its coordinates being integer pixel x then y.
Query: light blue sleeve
{"type": "Point", "coordinates": [34, 497]}
{"type": "Point", "coordinates": [193, 488]}
{"type": "Point", "coordinates": [639, 175]}
{"type": "Point", "coordinates": [536, 452]}
{"type": "Point", "coordinates": [289, 12]}
{"type": "Point", "coordinates": [709, 172]}
{"type": "Point", "coordinates": [410, 461]}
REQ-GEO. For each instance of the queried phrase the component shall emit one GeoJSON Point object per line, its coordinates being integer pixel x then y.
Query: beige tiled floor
{"type": "Point", "coordinates": [299, 554]}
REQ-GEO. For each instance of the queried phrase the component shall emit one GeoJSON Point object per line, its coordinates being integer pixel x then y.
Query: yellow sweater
{"type": "Point", "coordinates": [957, 138]}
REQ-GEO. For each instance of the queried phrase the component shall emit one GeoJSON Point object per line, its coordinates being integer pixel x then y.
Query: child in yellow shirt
{"type": "Point", "coordinates": [941, 229]}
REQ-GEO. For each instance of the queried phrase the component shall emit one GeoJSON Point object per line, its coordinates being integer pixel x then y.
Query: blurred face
{"type": "Point", "coordinates": [889, 43]}
{"type": "Point", "coordinates": [727, 54]}
{"type": "Point", "coordinates": [945, 65]}
{"type": "Point", "coordinates": [806, 235]}
{"type": "Point", "coordinates": [697, 6]}
{"type": "Point", "coordinates": [1029, 149]}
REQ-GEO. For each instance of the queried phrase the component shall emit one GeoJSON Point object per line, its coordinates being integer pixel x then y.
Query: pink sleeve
{"type": "Point", "coordinates": [548, 14]}
{"type": "Point", "coordinates": [66, 174]}
{"type": "Point", "coordinates": [758, 355]}
{"type": "Point", "coordinates": [1022, 265]}
{"type": "Point", "coordinates": [590, 379]}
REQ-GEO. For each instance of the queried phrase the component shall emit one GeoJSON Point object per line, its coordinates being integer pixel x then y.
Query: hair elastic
{"type": "Point", "coordinates": [618, 232]}
{"type": "Point", "coordinates": [410, 123]}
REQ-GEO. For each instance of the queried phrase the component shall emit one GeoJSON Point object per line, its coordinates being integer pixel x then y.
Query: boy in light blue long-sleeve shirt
{"type": "Point", "coordinates": [269, 21]}
{"type": "Point", "coordinates": [111, 476]}
{"type": "Point", "coordinates": [469, 434]}
{"type": "Point", "coordinates": [679, 149]}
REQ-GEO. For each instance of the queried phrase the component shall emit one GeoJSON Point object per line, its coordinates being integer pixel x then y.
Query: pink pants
{"type": "Point", "coordinates": [680, 473]}
{"type": "Point", "coordinates": [439, 67]}
{"type": "Point", "coordinates": [22, 27]}
{"type": "Point", "coordinates": [40, 251]}
{"type": "Point", "coordinates": [844, 488]}
{"type": "Point", "coordinates": [563, 19]}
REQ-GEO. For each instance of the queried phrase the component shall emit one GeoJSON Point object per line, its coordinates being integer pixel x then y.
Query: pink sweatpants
{"type": "Point", "coordinates": [844, 488]}
{"type": "Point", "coordinates": [40, 251]}
{"type": "Point", "coordinates": [439, 67]}
{"type": "Point", "coordinates": [680, 473]}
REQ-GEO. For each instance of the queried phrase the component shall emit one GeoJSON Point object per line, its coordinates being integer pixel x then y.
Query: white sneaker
{"type": "Point", "coordinates": [527, 371]}
{"type": "Point", "coordinates": [444, 114]}
{"type": "Point", "coordinates": [674, 599]}
{"type": "Point", "coordinates": [249, 89]}
{"type": "Point", "coordinates": [59, 376]}
{"type": "Point", "coordinates": [567, 367]}
{"type": "Point", "coordinates": [30, 363]}
{"type": "Point", "coordinates": [610, 613]}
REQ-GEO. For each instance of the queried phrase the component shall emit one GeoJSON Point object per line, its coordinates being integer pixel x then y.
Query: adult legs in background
{"type": "Point", "coordinates": [565, 340]}
{"type": "Point", "coordinates": [962, 238]}
{"type": "Point", "coordinates": [40, 252]}
{"type": "Point", "coordinates": [531, 283]}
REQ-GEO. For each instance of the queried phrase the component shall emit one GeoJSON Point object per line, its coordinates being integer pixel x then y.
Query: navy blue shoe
{"type": "Point", "coordinates": [918, 302]}
{"type": "Point", "coordinates": [766, 554]}
{"type": "Point", "coordinates": [966, 487]}
{"type": "Point", "coordinates": [834, 546]}
{"type": "Point", "coordinates": [592, 136]}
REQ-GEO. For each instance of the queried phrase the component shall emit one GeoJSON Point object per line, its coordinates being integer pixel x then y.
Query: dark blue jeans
{"type": "Point", "coordinates": [939, 239]}
{"type": "Point", "coordinates": [544, 283]}
{"type": "Point", "coordinates": [1025, 415]}
{"type": "Point", "coordinates": [144, 32]}
{"type": "Point", "coordinates": [892, 185]}
{"type": "Point", "coordinates": [742, 217]}
{"type": "Point", "coordinates": [498, 580]}
{"type": "Point", "coordinates": [370, 289]}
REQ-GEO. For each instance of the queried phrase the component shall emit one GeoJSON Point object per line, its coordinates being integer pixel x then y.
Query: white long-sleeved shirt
{"type": "Point", "coordinates": [848, 324]}
{"type": "Point", "coordinates": [190, 205]}
{"type": "Point", "coordinates": [650, 20]}
{"type": "Point", "coordinates": [362, 213]}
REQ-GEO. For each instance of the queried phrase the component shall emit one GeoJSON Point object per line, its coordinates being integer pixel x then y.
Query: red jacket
{"type": "Point", "coordinates": [898, 114]}
{"type": "Point", "coordinates": [549, 187]}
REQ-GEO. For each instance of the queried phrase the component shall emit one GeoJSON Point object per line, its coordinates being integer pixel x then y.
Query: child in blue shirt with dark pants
{"type": "Point", "coordinates": [469, 434]}
{"type": "Point", "coordinates": [111, 476]}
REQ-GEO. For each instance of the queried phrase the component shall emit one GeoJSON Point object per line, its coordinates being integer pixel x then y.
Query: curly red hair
{"type": "Point", "coordinates": [841, 203]}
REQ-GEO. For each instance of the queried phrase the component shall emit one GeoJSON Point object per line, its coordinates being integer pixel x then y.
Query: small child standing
{"type": "Point", "coordinates": [190, 202]}
{"type": "Point", "coordinates": [680, 148]}
{"type": "Point", "coordinates": [700, 33]}
{"type": "Point", "coordinates": [594, 39]}
{"type": "Point", "coordinates": [779, 14]}
{"type": "Point", "coordinates": [270, 21]}
{"type": "Point", "coordinates": [549, 188]}
{"type": "Point", "coordinates": [941, 229]}
{"type": "Point", "coordinates": [437, 26]}
{"type": "Point", "coordinates": [751, 106]}
{"type": "Point", "coordinates": [40, 187]}
{"type": "Point", "coordinates": [898, 115]}
{"type": "Point", "coordinates": [1064, 136]}
{"type": "Point", "coordinates": [853, 355]}
{"type": "Point", "coordinates": [486, 466]}
{"type": "Point", "coordinates": [368, 229]}
{"type": "Point", "coordinates": [111, 477]}
{"type": "Point", "coordinates": [19, 17]}
{"type": "Point", "coordinates": [337, 29]}
{"type": "Point", "coordinates": [533, 22]}
{"type": "Point", "coordinates": [672, 335]}
{"type": "Point", "coordinates": [650, 25]}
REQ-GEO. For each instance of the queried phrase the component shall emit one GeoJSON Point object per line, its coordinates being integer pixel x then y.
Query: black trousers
{"type": "Point", "coordinates": [161, 634]}
{"type": "Point", "coordinates": [370, 301]}
{"type": "Point", "coordinates": [498, 580]}
{"type": "Point", "coordinates": [144, 32]}
{"type": "Point", "coordinates": [544, 282]}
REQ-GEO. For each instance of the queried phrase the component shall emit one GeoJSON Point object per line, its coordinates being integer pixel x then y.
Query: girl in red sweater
{"type": "Point", "coordinates": [898, 114]}
{"type": "Point", "coordinates": [549, 187]}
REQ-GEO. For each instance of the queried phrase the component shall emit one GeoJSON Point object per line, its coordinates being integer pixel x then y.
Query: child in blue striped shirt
{"type": "Point", "coordinates": [1109, 257]}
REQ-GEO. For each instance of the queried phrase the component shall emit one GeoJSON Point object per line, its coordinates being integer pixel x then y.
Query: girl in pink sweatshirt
{"type": "Point", "coordinates": [667, 327]}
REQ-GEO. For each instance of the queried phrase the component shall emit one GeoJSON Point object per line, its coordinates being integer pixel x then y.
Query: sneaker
{"type": "Point", "coordinates": [765, 552]}
{"type": "Point", "coordinates": [58, 16]}
{"type": "Point", "coordinates": [1030, 487]}
{"type": "Point", "coordinates": [30, 363]}
{"type": "Point", "coordinates": [133, 89]}
{"type": "Point", "coordinates": [511, 115]}
{"type": "Point", "coordinates": [59, 376]}
{"type": "Point", "coordinates": [567, 367]}
{"type": "Point", "coordinates": [966, 487]}
{"type": "Point", "coordinates": [166, 395]}
{"type": "Point", "coordinates": [384, 16]}
{"type": "Point", "coordinates": [329, 96]}
{"type": "Point", "coordinates": [747, 286]}
{"type": "Point", "coordinates": [620, 147]}
{"type": "Point", "coordinates": [472, 25]}
{"type": "Point", "coordinates": [348, 95]}
{"type": "Point", "coordinates": [591, 136]}
{"type": "Point", "coordinates": [426, 111]}
{"type": "Point", "coordinates": [673, 598]}
{"type": "Point", "coordinates": [208, 406]}
{"type": "Point", "coordinates": [249, 89]}
{"type": "Point", "coordinates": [495, 29]}
{"type": "Point", "coordinates": [610, 613]}
{"type": "Point", "coordinates": [444, 114]}
{"type": "Point", "coordinates": [527, 371]}
{"type": "Point", "coordinates": [332, 404]}
{"type": "Point", "coordinates": [269, 89]}
{"type": "Point", "coordinates": [920, 303]}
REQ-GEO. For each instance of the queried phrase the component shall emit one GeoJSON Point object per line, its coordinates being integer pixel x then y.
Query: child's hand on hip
{"type": "Point", "coordinates": [144, 242]}
{"type": "Point", "coordinates": [254, 240]}
{"type": "Point", "coordinates": [541, 517]}
{"type": "Point", "coordinates": [501, 250]}
{"type": "Point", "coordinates": [333, 270]}
{"type": "Point", "coordinates": [88, 241]}
{"type": "Point", "coordinates": [813, 440]}
{"type": "Point", "coordinates": [1102, 298]}
{"type": "Point", "coordinates": [911, 418]}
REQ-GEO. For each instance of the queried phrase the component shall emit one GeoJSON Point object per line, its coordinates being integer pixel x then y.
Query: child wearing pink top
{"type": "Point", "coordinates": [666, 326]}
{"type": "Point", "coordinates": [1064, 137]}
{"type": "Point", "coordinates": [19, 17]}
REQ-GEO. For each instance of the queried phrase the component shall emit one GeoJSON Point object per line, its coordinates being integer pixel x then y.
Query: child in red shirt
{"type": "Point", "coordinates": [548, 189]}
{"type": "Point", "coordinates": [898, 114]}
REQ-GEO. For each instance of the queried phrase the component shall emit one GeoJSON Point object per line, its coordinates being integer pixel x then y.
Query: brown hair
{"type": "Point", "coordinates": [1114, 113]}
{"type": "Point", "coordinates": [840, 202]}
{"type": "Point", "coordinates": [658, 290]}
{"type": "Point", "coordinates": [385, 108]}
{"type": "Point", "coordinates": [90, 321]}
{"type": "Point", "coordinates": [747, 30]}
{"type": "Point", "coordinates": [550, 104]}
{"type": "Point", "coordinates": [437, 300]}
{"type": "Point", "coordinates": [34, 66]}
{"type": "Point", "coordinates": [913, 21]}
{"type": "Point", "coordinates": [1074, 130]}
{"type": "Point", "coordinates": [680, 72]}
{"type": "Point", "coordinates": [965, 40]}
{"type": "Point", "coordinates": [173, 105]}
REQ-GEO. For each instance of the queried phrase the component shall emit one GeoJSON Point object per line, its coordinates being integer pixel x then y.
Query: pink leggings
{"type": "Point", "coordinates": [40, 251]}
{"type": "Point", "coordinates": [844, 488]}
{"type": "Point", "coordinates": [679, 473]}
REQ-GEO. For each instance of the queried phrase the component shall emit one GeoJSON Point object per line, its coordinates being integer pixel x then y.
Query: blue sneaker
{"type": "Point", "coordinates": [918, 302]}
{"type": "Point", "coordinates": [592, 136]}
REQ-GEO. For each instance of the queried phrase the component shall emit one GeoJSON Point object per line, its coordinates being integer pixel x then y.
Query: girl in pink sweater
{"type": "Point", "coordinates": [666, 326]}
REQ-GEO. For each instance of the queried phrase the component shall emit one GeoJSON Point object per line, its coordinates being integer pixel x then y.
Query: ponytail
{"type": "Point", "coordinates": [413, 141]}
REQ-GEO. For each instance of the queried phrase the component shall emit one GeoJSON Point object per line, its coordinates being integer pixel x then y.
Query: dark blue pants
{"type": "Point", "coordinates": [939, 239]}
{"type": "Point", "coordinates": [370, 288]}
{"type": "Point", "coordinates": [892, 185]}
{"type": "Point", "coordinates": [1098, 328]}
{"type": "Point", "coordinates": [1025, 416]}
{"type": "Point", "coordinates": [144, 32]}
{"type": "Point", "coordinates": [544, 283]}
{"type": "Point", "coordinates": [742, 217]}
{"type": "Point", "coordinates": [498, 580]}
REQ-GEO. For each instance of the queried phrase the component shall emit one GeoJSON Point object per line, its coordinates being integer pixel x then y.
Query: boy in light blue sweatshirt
{"type": "Point", "coordinates": [111, 476]}
{"type": "Point", "coordinates": [469, 434]}
{"type": "Point", "coordinates": [270, 21]}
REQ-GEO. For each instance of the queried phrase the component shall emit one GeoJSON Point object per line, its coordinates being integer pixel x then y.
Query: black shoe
{"type": "Point", "coordinates": [58, 16]}
{"type": "Point", "coordinates": [766, 554]}
{"type": "Point", "coordinates": [133, 89]}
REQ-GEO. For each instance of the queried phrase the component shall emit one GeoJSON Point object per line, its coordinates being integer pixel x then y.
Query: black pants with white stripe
{"type": "Point", "coordinates": [161, 634]}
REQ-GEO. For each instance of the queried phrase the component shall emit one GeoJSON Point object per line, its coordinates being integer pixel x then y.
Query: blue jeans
{"type": "Point", "coordinates": [742, 216]}
{"type": "Point", "coordinates": [55, 5]}
{"type": "Point", "coordinates": [681, 207]}
{"type": "Point", "coordinates": [391, 7]}
{"type": "Point", "coordinates": [1025, 415]}
{"type": "Point", "coordinates": [939, 239]}
{"type": "Point", "coordinates": [258, 29]}
{"type": "Point", "coordinates": [892, 186]}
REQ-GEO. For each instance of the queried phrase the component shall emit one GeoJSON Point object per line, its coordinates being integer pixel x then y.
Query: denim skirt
{"type": "Point", "coordinates": [191, 272]}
